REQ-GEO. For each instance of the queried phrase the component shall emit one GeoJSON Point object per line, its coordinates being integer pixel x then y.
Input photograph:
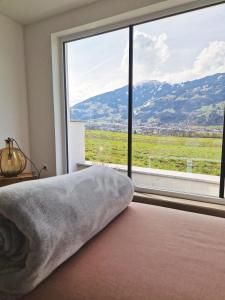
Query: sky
{"type": "Point", "coordinates": [175, 49]}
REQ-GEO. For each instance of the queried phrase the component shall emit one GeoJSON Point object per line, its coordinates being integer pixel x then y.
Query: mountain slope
{"type": "Point", "coordinates": [197, 102]}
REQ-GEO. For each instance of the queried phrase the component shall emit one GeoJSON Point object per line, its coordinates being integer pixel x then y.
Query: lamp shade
{"type": "Point", "coordinates": [12, 160]}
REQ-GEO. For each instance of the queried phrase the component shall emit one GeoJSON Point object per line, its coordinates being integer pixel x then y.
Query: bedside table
{"type": "Point", "coordinates": [10, 180]}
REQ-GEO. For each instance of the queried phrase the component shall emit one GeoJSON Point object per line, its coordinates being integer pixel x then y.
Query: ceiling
{"type": "Point", "coordinates": [29, 11]}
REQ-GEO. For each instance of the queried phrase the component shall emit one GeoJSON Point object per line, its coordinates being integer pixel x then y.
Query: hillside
{"type": "Point", "coordinates": [198, 103]}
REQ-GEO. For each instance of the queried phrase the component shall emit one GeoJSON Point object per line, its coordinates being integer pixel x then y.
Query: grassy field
{"type": "Point", "coordinates": [196, 155]}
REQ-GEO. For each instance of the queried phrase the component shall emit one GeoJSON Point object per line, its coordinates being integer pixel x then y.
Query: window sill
{"type": "Point", "coordinates": [200, 207]}
{"type": "Point", "coordinates": [194, 203]}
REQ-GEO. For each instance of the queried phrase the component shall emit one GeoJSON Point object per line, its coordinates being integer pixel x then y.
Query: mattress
{"type": "Point", "coordinates": [147, 252]}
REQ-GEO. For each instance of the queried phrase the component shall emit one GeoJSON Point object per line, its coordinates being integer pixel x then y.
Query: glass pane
{"type": "Point", "coordinates": [97, 81]}
{"type": "Point", "coordinates": [179, 94]}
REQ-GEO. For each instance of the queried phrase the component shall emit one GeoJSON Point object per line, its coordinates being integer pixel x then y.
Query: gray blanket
{"type": "Point", "coordinates": [44, 222]}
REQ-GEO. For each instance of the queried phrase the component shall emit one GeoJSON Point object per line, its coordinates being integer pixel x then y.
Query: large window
{"type": "Point", "coordinates": [98, 97]}
{"type": "Point", "coordinates": [179, 96]}
{"type": "Point", "coordinates": [171, 72]}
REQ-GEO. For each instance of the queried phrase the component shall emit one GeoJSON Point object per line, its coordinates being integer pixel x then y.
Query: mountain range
{"type": "Point", "coordinates": [199, 103]}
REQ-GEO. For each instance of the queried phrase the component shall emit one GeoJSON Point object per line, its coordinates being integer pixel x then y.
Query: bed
{"type": "Point", "coordinates": [147, 252]}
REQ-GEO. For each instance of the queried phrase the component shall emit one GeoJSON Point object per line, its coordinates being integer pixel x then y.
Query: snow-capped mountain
{"type": "Point", "coordinates": [197, 102]}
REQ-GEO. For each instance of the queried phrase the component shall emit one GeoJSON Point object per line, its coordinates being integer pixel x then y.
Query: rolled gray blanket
{"type": "Point", "coordinates": [44, 222]}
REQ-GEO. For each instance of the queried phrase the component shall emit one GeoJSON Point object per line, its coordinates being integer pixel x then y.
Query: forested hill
{"type": "Point", "coordinates": [197, 102]}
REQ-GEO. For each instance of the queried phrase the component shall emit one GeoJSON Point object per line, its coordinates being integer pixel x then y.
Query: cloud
{"type": "Point", "coordinates": [77, 92]}
{"type": "Point", "coordinates": [86, 89]}
{"type": "Point", "coordinates": [211, 59]}
{"type": "Point", "coordinates": [151, 54]}
{"type": "Point", "coordinates": [152, 60]}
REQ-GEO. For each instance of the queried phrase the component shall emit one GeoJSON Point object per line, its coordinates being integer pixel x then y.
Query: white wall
{"type": "Point", "coordinates": [13, 96]}
{"type": "Point", "coordinates": [76, 144]}
{"type": "Point", "coordinates": [38, 58]}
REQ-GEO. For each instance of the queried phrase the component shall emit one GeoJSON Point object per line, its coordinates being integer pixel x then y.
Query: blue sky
{"type": "Point", "coordinates": [175, 49]}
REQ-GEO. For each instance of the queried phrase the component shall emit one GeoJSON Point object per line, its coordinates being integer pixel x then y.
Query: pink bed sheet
{"type": "Point", "coordinates": [146, 253]}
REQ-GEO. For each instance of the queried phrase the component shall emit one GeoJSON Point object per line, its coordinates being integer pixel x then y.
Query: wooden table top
{"type": "Point", "coordinates": [22, 177]}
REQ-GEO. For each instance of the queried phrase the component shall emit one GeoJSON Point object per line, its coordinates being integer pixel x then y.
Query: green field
{"type": "Point", "coordinates": [196, 155]}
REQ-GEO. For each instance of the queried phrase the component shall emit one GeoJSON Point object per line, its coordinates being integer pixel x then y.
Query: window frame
{"type": "Point", "coordinates": [130, 25]}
